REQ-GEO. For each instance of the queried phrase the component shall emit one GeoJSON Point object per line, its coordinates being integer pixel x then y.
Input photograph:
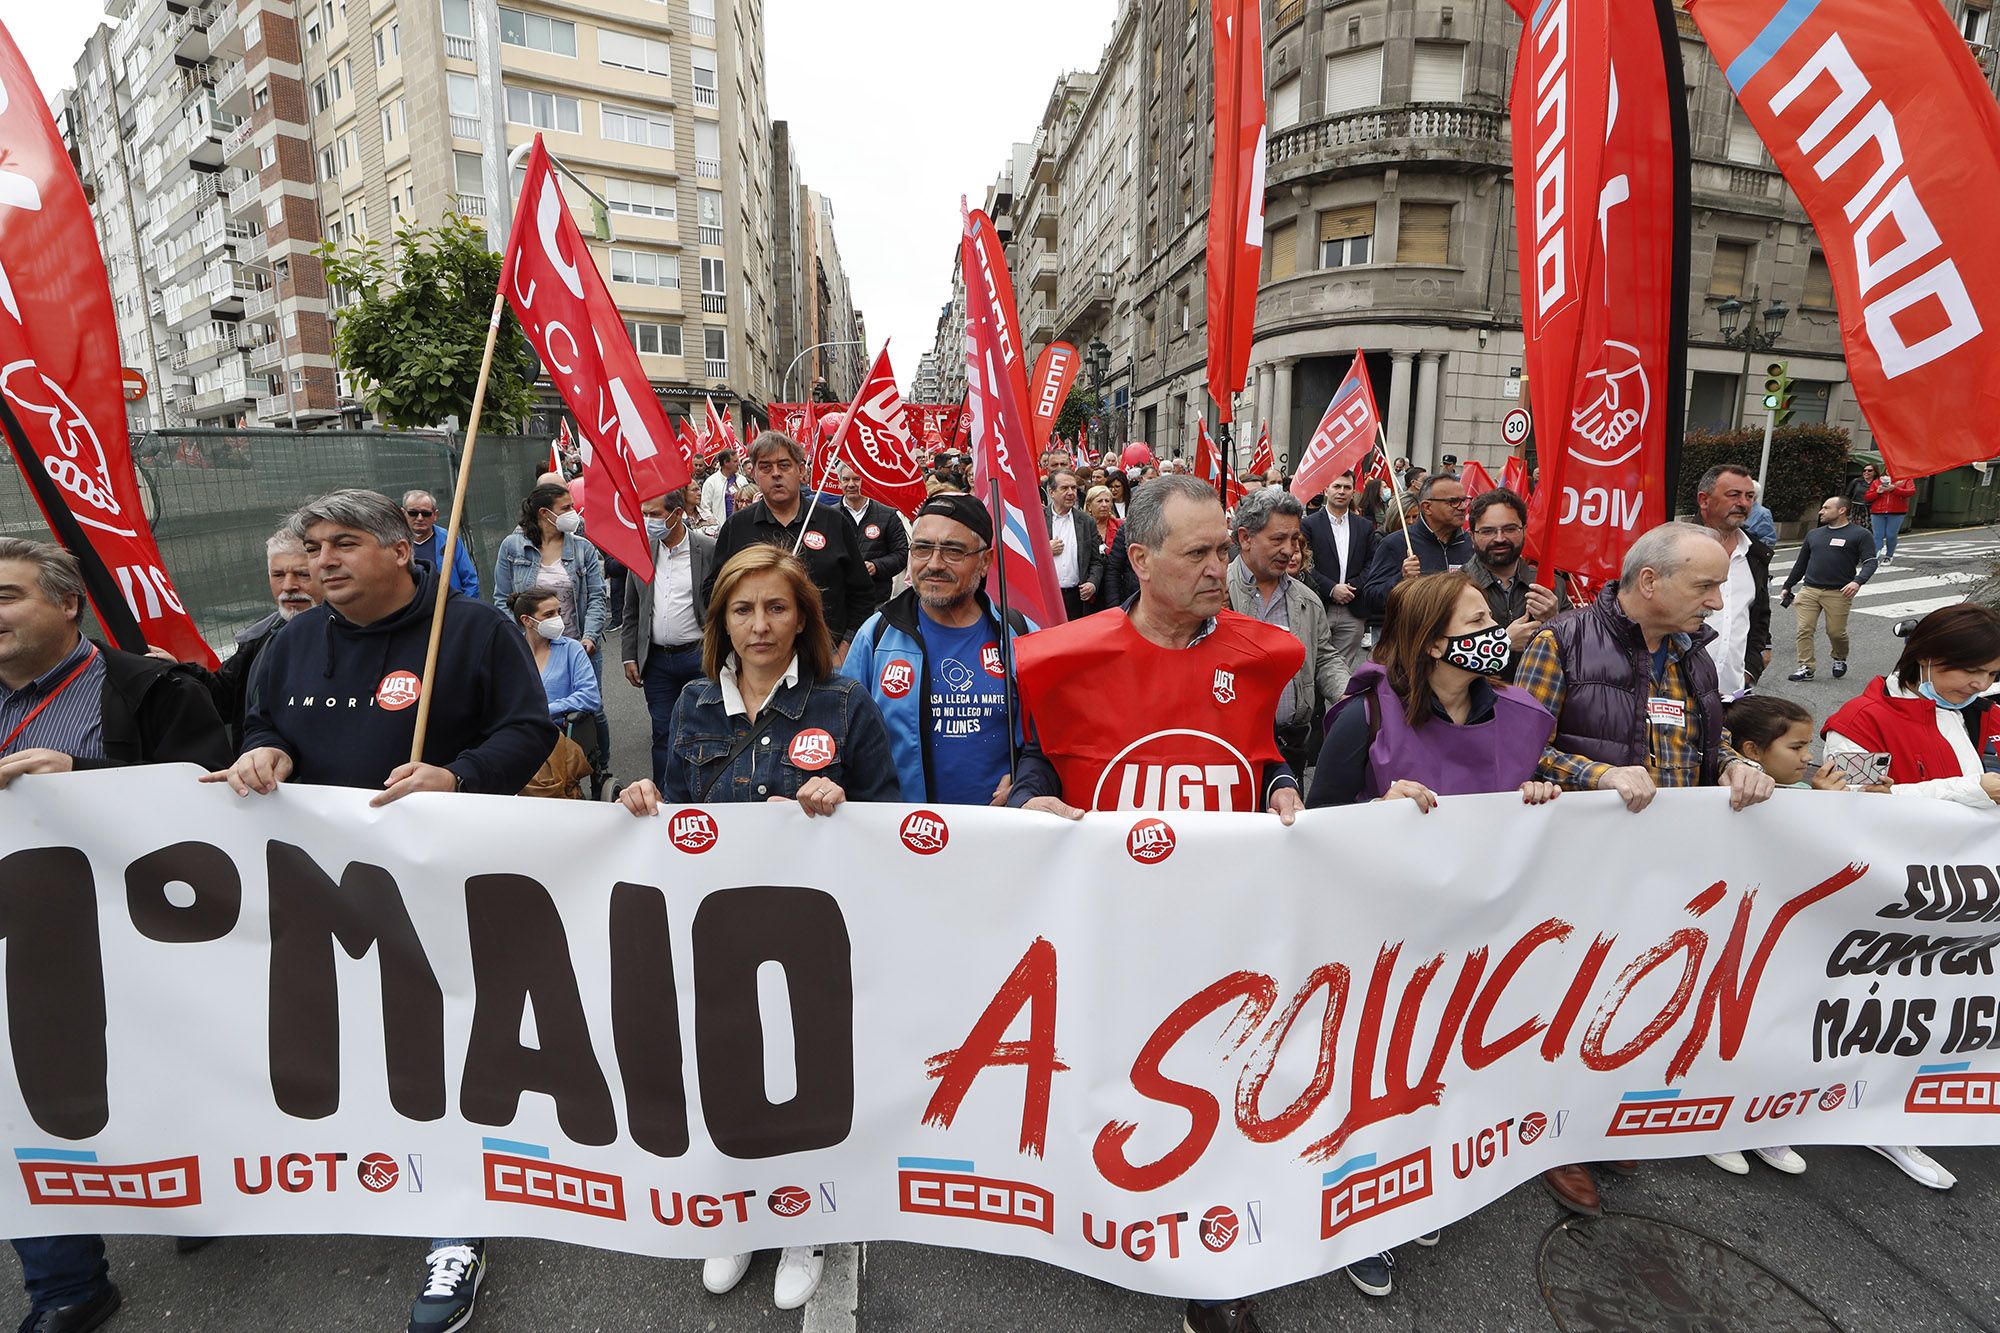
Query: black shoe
{"type": "Point", "coordinates": [445, 1304]}
{"type": "Point", "coordinates": [1839, 668]}
{"type": "Point", "coordinates": [78, 1318]}
{"type": "Point", "coordinates": [1372, 1274]}
{"type": "Point", "coordinates": [1235, 1317]}
{"type": "Point", "coordinates": [189, 1244]}
{"type": "Point", "coordinates": [1801, 673]}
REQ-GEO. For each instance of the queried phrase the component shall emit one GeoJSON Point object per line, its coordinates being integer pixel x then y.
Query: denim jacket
{"type": "Point", "coordinates": [515, 569]}
{"type": "Point", "coordinates": [703, 733]}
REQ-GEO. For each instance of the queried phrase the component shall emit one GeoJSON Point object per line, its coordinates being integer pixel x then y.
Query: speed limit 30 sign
{"type": "Point", "coordinates": [1514, 427]}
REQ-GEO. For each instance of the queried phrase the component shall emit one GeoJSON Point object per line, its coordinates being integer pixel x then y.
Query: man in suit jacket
{"type": "Point", "coordinates": [885, 542]}
{"type": "Point", "coordinates": [1074, 543]}
{"type": "Point", "coordinates": [1343, 544]}
{"type": "Point", "coordinates": [661, 643]}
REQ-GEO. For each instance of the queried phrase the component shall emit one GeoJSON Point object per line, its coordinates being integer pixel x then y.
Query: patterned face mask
{"type": "Point", "coordinates": [1485, 652]}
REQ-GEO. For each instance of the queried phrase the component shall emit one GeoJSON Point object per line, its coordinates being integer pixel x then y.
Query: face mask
{"type": "Point", "coordinates": [550, 629]}
{"type": "Point", "coordinates": [656, 528]}
{"type": "Point", "coordinates": [1485, 652]}
{"type": "Point", "coordinates": [1929, 691]}
{"type": "Point", "coordinates": [568, 522]}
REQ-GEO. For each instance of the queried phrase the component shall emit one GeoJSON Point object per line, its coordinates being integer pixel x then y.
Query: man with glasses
{"type": "Point", "coordinates": [931, 658]}
{"type": "Point", "coordinates": [1433, 542]}
{"type": "Point", "coordinates": [1499, 521]}
{"type": "Point", "coordinates": [427, 542]}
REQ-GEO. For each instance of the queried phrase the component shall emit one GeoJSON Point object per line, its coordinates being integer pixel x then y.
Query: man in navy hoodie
{"type": "Point", "coordinates": [332, 702]}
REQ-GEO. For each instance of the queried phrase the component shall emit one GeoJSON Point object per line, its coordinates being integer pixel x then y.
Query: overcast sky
{"type": "Point", "coordinates": [897, 107]}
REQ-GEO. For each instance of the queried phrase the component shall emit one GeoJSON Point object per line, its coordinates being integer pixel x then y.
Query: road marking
{"type": "Point", "coordinates": [1898, 584]}
{"type": "Point", "coordinates": [833, 1305]}
{"type": "Point", "coordinates": [1898, 610]}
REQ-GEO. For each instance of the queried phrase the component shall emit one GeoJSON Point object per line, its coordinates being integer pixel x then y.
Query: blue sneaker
{"type": "Point", "coordinates": [1372, 1274]}
{"type": "Point", "coordinates": [455, 1272]}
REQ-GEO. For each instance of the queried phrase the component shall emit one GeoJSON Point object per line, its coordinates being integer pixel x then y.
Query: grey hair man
{"type": "Point", "coordinates": [293, 589]}
{"type": "Point", "coordinates": [1741, 648]}
{"type": "Point", "coordinates": [1262, 585]}
{"type": "Point", "coordinates": [427, 541]}
{"type": "Point", "coordinates": [1432, 542]}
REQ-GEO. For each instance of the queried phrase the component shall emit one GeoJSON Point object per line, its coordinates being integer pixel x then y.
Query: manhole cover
{"type": "Point", "coordinates": [1623, 1272]}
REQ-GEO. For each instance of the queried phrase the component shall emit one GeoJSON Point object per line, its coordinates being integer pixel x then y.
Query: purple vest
{"type": "Point", "coordinates": [1498, 754]}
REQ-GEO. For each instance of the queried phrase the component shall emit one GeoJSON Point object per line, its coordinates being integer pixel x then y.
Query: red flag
{"type": "Point", "coordinates": [1236, 196]}
{"type": "Point", "coordinates": [1604, 248]}
{"type": "Point", "coordinates": [688, 446]}
{"type": "Point", "coordinates": [1476, 479]}
{"type": "Point", "coordinates": [1083, 454]}
{"type": "Point", "coordinates": [1883, 124]}
{"type": "Point", "coordinates": [1376, 468]}
{"type": "Point", "coordinates": [1264, 462]}
{"type": "Point", "coordinates": [996, 400]}
{"type": "Point", "coordinates": [720, 434]}
{"type": "Point", "coordinates": [1514, 476]}
{"type": "Point", "coordinates": [59, 377]}
{"type": "Point", "coordinates": [558, 447]}
{"type": "Point", "coordinates": [875, 441]}
{"type": "Point", "coordinates": [1344, 436]}
{"type": "Point", "coordinates": [558, 295]}
{"type": "Point", "coordinates": [1209, 467]}
{"type": "Point", "coordinates": [1048, 387]}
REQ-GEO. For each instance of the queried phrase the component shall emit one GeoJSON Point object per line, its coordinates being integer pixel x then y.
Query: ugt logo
{"type": "Point", "coordinates": [1224, 688]}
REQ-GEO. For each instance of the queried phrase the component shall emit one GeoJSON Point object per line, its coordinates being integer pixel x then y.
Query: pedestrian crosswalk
{"type": "Point", "coordinates": [1913, 585]}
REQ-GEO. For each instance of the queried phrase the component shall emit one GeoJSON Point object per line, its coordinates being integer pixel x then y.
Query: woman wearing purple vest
{"type": "Point", "coordinates": [1428, 717]}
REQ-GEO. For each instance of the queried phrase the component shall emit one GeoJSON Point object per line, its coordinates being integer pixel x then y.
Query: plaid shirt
{"type": "Point", "coordinates": [1673, 754]}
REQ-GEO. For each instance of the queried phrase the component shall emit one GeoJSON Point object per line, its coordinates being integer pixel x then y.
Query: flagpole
{"type": "Point", "coordinates": [450, 547]}
{"type": "Point", "coordinates": [1395, 482]}
{"type": "Point", "coordinates": [1006, 631]}
{"type": "Point", "coordinates": [846, 419]}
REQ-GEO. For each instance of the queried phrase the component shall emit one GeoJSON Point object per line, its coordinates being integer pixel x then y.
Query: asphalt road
{"type": "Point", "coordinates": [1852, 1237]}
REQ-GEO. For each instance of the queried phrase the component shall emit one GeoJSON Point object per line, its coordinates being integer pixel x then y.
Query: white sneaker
{"type": "Point", "coordinates": [1782, 1159]}
{"type": "Point", "coordinates": [724, 1272]}
{"type": "Point", "coordinates": [1917, 1165]}
{"type": "Point", "coordinates": [799, 1268]}
{"type": "Point", "coordinates": [1732, 1162]}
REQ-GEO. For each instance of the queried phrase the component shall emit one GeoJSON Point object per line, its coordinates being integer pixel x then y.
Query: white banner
{"type": "Point", "coordinates": [1204, 1055]}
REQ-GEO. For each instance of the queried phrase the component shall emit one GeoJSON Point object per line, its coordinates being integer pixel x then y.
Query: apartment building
{"type": "Point", "coordinates": [1389, 228]}
{"type": "Point", "coordinates": [929, 385]}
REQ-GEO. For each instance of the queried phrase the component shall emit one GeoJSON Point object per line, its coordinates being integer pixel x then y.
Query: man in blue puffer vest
{"type": "Point", "coordinates": [931, 658]}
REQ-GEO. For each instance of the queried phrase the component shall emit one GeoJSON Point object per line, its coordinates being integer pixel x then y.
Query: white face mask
{"type": "Point", "coordinates": [550, 629]}
{"type": "Point", "coordinates": [568, 522]}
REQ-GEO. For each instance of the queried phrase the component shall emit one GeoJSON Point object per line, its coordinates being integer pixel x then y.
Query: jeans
{"type": "Point", "coordinates": [1885, 527]}
{"type": "Point", "coordinates": [666, 675]}
{"type": "Point", "coordinates": [61, 1270]}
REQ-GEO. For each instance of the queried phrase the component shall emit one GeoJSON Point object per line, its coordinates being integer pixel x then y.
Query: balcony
{"type": "Point", "coordinates": [1038, 324]}
{"type": "Point", "coordinates": [250, 249]}
{"type": "Point", "coordinates": [465, 127]}
{"type": "Point", "coordinates": [458, 48]}
{"type": "Point", "coordinates": [187, 36]}
{"type": "Point", "coordinates": [1092, 296]}
{"type": "Point", "coordinates": [709, 168]}
{"type": "Point", "coordinates": [701, 25]}
{"type": "Point", "coordinates": [156, 305]}
{"type": "Point", "coordinates": [1044, 272]}
{"type": "Point", "coordinates": [714, 303]}
{"type": "Point", "coordinates": [224, 37]}
{"type": "Point", "coordinates": [715, 370]}
{"type": "Point", "coordinates": [200, 353]}
{"type": "Point", "coordinates": [237, 145]}
{"type": "Point", "coordinates": [708, 235]}
{"type": "Point", "coordinates": [469, 205]}
{"type": "Point", "coordinates": [1044, 170]}
{"type": "Point", "coordinates": [704, 96]}
{"type": "Point", "coordinates": [1739, 182]}
{"type": "Point", "coordinates": [259, 304]}
{"type": "Point", "coordinates": [229, 89]}
{"type": "Point", "coordinates": [273, 407]}
{"type": "Point", "coordinates": [241, 195]}
{"type": "Point", "coordinates": [266, 355]}
{"type": "Point", "coordinates": [1363, 140]}
{"type": "Point", "coordinates": [1042, 215]}
{"type": "Point", "coordinates": [225, 398]}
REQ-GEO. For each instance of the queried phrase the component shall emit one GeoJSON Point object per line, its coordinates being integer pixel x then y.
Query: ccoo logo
{"type": "Point", "coordinates": [925, 832]}
{"type": "Point", "coordinates": [378, 1172]}
{"type": "Point", "coordinates": [1150, 842]}
{"type": "Point", "coordinates": [693, 831]}
{"type": "Point", "coordinates": [898, 678]}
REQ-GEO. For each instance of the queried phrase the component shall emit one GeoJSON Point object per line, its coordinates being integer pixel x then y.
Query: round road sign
{"type": "Point", "coordinates": [1514, 427]}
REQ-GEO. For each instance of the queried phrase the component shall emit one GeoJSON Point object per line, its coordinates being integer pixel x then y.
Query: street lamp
{"type": "Point", "coordinates": [1097, 360]}
{"type": "Point", "coordinates": [785, 384]}
{"type": "Point", "coordinates": [1738, 321]}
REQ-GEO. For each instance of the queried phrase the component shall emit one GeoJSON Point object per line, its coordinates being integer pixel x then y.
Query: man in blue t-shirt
{"type": "Point", "coordinates": [932, 660]}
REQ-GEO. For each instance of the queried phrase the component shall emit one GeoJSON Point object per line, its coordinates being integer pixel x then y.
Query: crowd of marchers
{"type": "Point", "coordinates": [1390, 644]}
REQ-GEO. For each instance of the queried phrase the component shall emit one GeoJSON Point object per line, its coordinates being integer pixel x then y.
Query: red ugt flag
{"type": "Point", "coordinates": [1883, 124]}
{"type": "Point", "coordinates": [1344, 436]}
{"type": "Point", "coordinates": [1263, 462]}
{"type": "Point", "coordinates": [558, 295]}
{"type": "Point", "coordinates": [1476, 479]}
{"type": "Point", "coordinates": [875, 441]}
{"type": "Point", "coordinates": [59, 379]}
{"type": "Point", "coordinates": [996, 422]}
{"type": "Point", "coordinates": [1236, 195]}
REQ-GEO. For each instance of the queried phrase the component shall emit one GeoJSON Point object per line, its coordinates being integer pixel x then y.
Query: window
{"type": "Point", "coordinates": [267, 155]}
{"type": "Point", "coordinates": [1423, 234]}
{"type": "Point", "coordinates": [388, 124]}
{"type": "Point", "coordinates": [1346, 236]}
{"type": "Point", "coordinates": [643, 268]}
{"type": "Point", "coordinates": [253, 31]}
{"type": "Point", "coordinates": [652, 338]}
{"type": "Point", "coordinates": [341, 76]}
{"type": "Point", "coordinates": [1281, 243]}
{"type": "Point", "coordinates": [1744, 145]}
{"type": "Point", "coordinates": [381, 47]}
{"type": "Point", "coordinates": [1353, 80]}
{"type": "Point", "coordinates": [705, 84]}
{"type": "Point", "coordinates": [462, 94]}
{"type": "Point", "coordinates": [708, 214]}
{"type": "Point", "coordinates": [715, 347]}
{"type": "Point", "coordinates": [1732, 265]}
{"type": "Point", "coordinates": [274, 212]}
{"type": "Point", "coordinates": [260, 96]}
{"type": "Point", "coordinates": [707, 148]}
{"type": "Point", "coordinates": [1973, 24]}
{"type": "Point", "coordinates": [1285, 104]}
{"type": "Point", "coordinates": [640, 198]}
{"type": "Point", "coordinates": [1437, 72]}
{"type": "Point", "coordinates": [714, 281]}
{"type": "Point", "coordinates": [1819, 284]}
{"type": "Point", "coordinates": [468, 175]}
{"type": "Point", "coordinates": [624, 125]}
{"type": "Point", "coordinates": [545, 111]}
{"type": "Point", "coordinates": [644, 54]}
{"type": "Point", "coordinates": [1186, 306]}
{"type": "Point", "coordinates": [326, 160]}
{"type": "Point", "coordinates": [458, 18]}
{"type": "Point", "coordinates": [322, 99]}
{"type": "Point", "coordinates": [537, 32]}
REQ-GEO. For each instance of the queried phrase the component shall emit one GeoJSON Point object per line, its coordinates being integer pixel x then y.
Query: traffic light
{"type": "Point", "coordinates": [1778, 391]}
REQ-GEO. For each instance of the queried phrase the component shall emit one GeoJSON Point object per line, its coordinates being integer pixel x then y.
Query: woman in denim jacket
{"type": "Point", "coordinates": [546, 551]}
{"type": "Point", "coordinates": [772, 722]}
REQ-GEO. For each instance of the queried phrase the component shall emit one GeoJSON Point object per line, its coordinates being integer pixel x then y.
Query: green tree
{"type": "Point", "coordinates": [1081, 405]}
{"type": "Point", "coordinates": [413, 339]}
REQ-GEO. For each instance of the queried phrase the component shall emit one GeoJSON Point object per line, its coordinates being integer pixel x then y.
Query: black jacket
{"type": "Point", "coordinates": [1090, 560]}
{"type": "Point", "coordinates": [889, 548]}
{"type": "Point", "coordinates": [1385, 571]}
{"type": "Point", "coordinates": [838, 568]}
{"type": "Point", "coordinates": [229, 684]}
{"type": "Point", "coordinates": [1759, 560]}
{"type": "Point", "coordinates": [155, 712]}
{"type": "Point", "coordinates": [1327, 570]}
{"type": "Point", "coordinates": [339, 698]}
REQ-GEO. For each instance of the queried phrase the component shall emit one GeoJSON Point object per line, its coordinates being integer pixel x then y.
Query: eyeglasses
{"type": "Point", "coordinates": [1511, 530]}
{"type": "Point", "coordinates": [1459, 503]}
{"type": "Point", "coordinates": [421, 513]}
{"type": "Point", "coordinates": [950, 552]}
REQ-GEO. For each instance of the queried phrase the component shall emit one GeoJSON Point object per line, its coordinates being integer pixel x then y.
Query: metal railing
{"type": "Point", "coordinates": [701, 25]}
{"type": "Point", "coordinates": [458, 48]}
{"type": "Point", "coordinates": [704, 96]}
{"type": "Point", "coordinates": [469, 205]}
{"type": "Point", "coordinates": [715, 370]}
{"type": "Point", "coordinates": [709, 235]}
{"type": "Point", "coordinates": [259, 304]}
{"type": "Point", "coordinates": [465, 127]}
{"type": "Point", "coordinates": [266, 354]}
{"type": "Point", "coordinates": [709, 168]}
{"type": "Point", "coordinates": [714, 303]}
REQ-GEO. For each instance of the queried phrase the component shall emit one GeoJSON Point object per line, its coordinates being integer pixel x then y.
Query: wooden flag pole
{"type": "Point", "coordinates": [450, 547]}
